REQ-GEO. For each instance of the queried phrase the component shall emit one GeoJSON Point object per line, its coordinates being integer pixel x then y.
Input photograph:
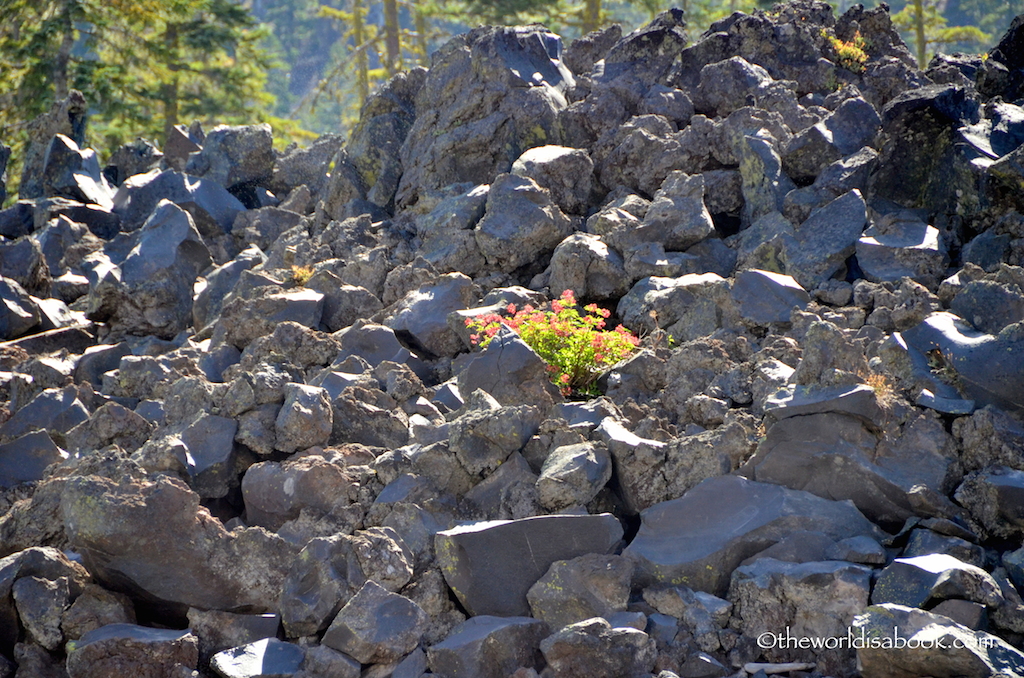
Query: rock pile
{"type": "Point", "coordinates": [246, 432]}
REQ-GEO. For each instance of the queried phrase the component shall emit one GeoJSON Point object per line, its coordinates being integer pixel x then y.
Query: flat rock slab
{"type": "Point", "coordinates": [858, 400]}
{"type": "Point", "coordinates": [935, 577]}
{"type": "Point", "coordinates": [964, 652]}
{"type": "Point", "coordinates": [765, 297]}
{"type": "Point", "coordinates": [265, 658]}
{"type": "Point", "coordinates": [986, 368]}
{"type": "Point", "coordinates": [127, 651]}
{"type": "Point", "coordinates": [516, 553]}
{"type": "Point", "coordinates": [154, 539]}
{"type": "Point", "coordinates": [700, 538]}
{"type": "Point", "coordinates": [377, 626]}
{"type": "Point", "coordinates": [25, 458]}
{"type": "Point", "coordinates": [488, 647]}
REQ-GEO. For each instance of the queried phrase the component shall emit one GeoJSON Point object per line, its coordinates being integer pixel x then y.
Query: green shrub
{"type": "Point", "coordinates": [576, 346]}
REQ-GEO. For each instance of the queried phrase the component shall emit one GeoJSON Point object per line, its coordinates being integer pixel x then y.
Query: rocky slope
{"type": "Point", "coordinates": [247, 434]}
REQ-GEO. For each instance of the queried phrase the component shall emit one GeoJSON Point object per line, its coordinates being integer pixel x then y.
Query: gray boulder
{"type": "Point", "coordinates": [807, 452]}
{"type": "Point", "coordinates": [728, 85]}
{"type": "Point", "coordinates": [481, 106]}
{"type": "Point", "coordinates": [826, 239]}
{"type": "Point", "coordinates": [219, 282]}
{"type": "Point", "coordinates": [593, 649]}
{"type": "Point", "coordinates": [816, 600]}
{"type": "Point", "coordinates": [321, 661]}
{"type": "Point", "coordinates": [305, 420]}
{"type": "Point", "coordinates": [235, 156]}
{"type": "Point", "coordinates": [23, 262]}
{"type": "Point", "coordinates": [995, 499]}
{"type": "Point", "coordinates": [981, 367]}
{"type": "Point", "coordinates": [218, 630]}
{"type": "Point", "coordinates": [932, 645]}
{"type": "Point", "coordinates": [488, 647]}
{"type": "Point", "coordinates": [565, 173]}
{"type": "Point", "coordinates": [376, 626]}
{"type": "Point", "coordinates": [572, 475]}
{"type": "Point", "coordinates": [764, 297]}
{"type": "Point", "coordinates": [700, 538]}
{"type": "Point", "coordinates": [517, 553]}
{"type": "Point", "coordinates": [267, 657]}
{"type": "Point", "coordinates": [376, 141]}
{"type": "Point", "coordinates": [422, 314]}
{"type": "Point", "coordinates": [153, 538]}
{"type": "Point", "coordinates": [24, 459]}
{"type": "Point", "coordinates": [343, 304]}
{"type": "Point", "coordinates": [40, 604]}
{"type": "Point", "coordinates": [328, 571]}
{"type": "Point", "coordinates": [209, 203]}
{"type": "Point", "coordinates": [589, 586]}
{"type": "Point", "coordinates": [125, 650]}
{"type": "Point", "coordinates": [277, 492]}
{"type": "Point", "coordinates": [677, 217]}
{"type": "Point", "coordinates": [687, 307]}
{"type": "Point", "coordinates": [74, 173]}
{"type": "Point", "coordinates": [18, 313]}
{"type": "Point", "coordinates": [510, 371]}
{"type": "Point", "coordinates": [765, 185]}
{"type": "Point", "coordinates": [53, 410]}
{"type": "Point", "coordinates": [151, 291]}
{"type": "Point", "coordinates": [305, 166]}
{"type": "Point", "coordinates": [245, 320]}
{"type": "Point", "coordinates": [483, 439]}
{"type": "Point", "coordinates": [989, 305]}
{"type": "Point", "coordinates": [94, 608]}
{"type": "Point", "coordinates": [584, 264]}
{"type": "Point", "coordinates": [924, 581]}
{"type": "Point", "coordinates": [897, 249]}
{"type": "Point", "coordinates": [520, 224]}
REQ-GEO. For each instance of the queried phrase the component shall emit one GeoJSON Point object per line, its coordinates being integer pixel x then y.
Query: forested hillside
{"type": "Point", "coordinates": [305, 66]}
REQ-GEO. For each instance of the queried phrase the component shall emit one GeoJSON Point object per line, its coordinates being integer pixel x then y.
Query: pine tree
{"type": "Point", "coordinates": [142, 64]}
{"type": "Point", "coordinates": [927, 27]}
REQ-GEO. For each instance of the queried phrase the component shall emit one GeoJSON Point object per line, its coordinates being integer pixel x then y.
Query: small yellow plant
{"type": "Point", "coordinates": [302, 274]}
{"type": "Point", "coordinates": [850, 54]}
{"type": "Point", "coordinates": [883, 388]}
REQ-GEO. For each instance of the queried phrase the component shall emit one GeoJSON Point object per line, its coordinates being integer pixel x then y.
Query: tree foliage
{"type": "Point", "coordinates": [143, 65]}
{"type": "Point", "coordinates": [927, 27]}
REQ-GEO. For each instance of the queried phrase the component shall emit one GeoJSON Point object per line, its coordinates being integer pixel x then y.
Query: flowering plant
{"type": "Point", "coordinates": [576, 346]}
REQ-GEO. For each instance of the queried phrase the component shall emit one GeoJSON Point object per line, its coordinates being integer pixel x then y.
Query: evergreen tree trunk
{"type": "Point", "coordinates": [169, 89]}
{"type": "Point", "coordinates": [591, 16]}
{"type": "Point", "coordinates": [420, 20]}
{"type": "Point", "coordinates": [392, 44]}
{"type": "Point", "coordinates": [922, 44]}
{"type": "Point", "coordinates": [362, 61]}
{"type": "Point", "coordinates": [60, 63]}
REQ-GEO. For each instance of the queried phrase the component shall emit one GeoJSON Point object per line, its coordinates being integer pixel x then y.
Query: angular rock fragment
{"type": "Point", "coordinates": [125, 650]}
{"type": "Point", "coordinates": [572, 475]}
{"type": "Point", "coordinates": [931, 645]}
{"type": "Point", "coordinates": [678, 543]}
{"type": "Point", "coordinates": [218, 630]}
{"type": "Point", "coordinates": [927, 580]}
{"type": "Point", "coordinates": [486, 646]}
{"type": "Point", "coordinates": [25, 458]}
{"type": "Point", "coordinates": [517, 553]}
{"type": "Point", "coordinates": [593, 648]}
{"type": "Point", "coordinates": [153, 538]}
{"type": "Point", "coordinates": [267, 657]}
{"type": "Point", "coordinates": [589, 586]}
{"type": "Point", "coordinates": [520, 223]}
{"type": "Point", "coordinates": [764, 297]}
{"type": "Point", "coordinates": [808, 599]}
{"type": "Point", "coordinates": [376, 626]}
{"type": "Point", "coordinates": [305, 419]}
